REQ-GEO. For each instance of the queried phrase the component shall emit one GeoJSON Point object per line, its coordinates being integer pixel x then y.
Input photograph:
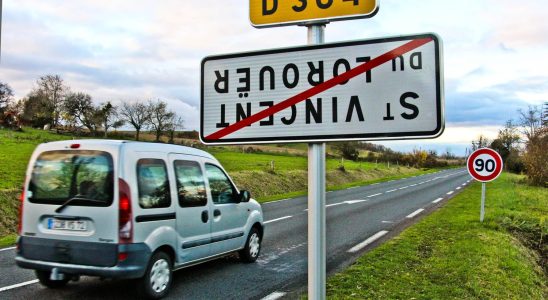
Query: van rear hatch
{"type": "Point", "coordinates": [70, 211]}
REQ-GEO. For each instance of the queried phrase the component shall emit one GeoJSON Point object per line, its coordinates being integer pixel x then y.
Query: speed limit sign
{"type": "Point", "coordinates": [484, 164]}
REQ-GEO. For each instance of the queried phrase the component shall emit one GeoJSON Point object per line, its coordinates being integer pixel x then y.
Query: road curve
{"type": "Point", "coordinates": [357, 219]}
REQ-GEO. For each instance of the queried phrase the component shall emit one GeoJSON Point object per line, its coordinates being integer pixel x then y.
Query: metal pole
{"type": "Point", "coordinates": [482, 211]}
{"type": "Point", "coordinates": [316, 202]}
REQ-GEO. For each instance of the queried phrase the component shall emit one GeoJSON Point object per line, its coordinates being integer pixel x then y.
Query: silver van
{"type": "Point", "coordinates": [119, 209]}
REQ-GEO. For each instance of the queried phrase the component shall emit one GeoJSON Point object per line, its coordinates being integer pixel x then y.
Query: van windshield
{"type": "Point", "coordinates": [58, 176]}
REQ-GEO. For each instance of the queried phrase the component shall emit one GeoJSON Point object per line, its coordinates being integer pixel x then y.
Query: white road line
{"type": "Point", "coordinates": [374, 195]}
{"type": "Point", "coordinates": [437, 200]}
{"type": "Point", "coordinates": [354, 201]}
{"type": "Point", "coordinates": [274, 296]}
{"type": "Point", "coordinates": [449, 193]}
{"type": "Point", "coordinates": [416, 212]}
{"type": "Point", "coordinates": [390, 191]}
{"type": "Point", "coordinates": [18, 285]}
{"type": "Point", "coordinates": [270, 202]}
{"type": "Point", "coordinates": [413, 185]}
{"type": "Point", "coordinates": [458, 187]}
{"type": "Point", "coordinates": [334, 204]}
{"type": "Point", "coordinates": [464, 184]}
{"type": "Point", "coordinates": [370, 240]}
{"type": "Point", "coordinates": [278, 219]}
{"type": "Point", "coordinates": [374, 183]}
{"type": "Point", "coordinates": [6, 249]}
{"type": "Point", "coordinates": [403, 187]}
{"type": "Point", "coordinates": [387, 222]}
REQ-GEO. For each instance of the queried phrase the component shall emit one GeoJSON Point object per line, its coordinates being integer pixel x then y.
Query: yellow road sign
{"type": "Point", "coordinates": [268, 13]}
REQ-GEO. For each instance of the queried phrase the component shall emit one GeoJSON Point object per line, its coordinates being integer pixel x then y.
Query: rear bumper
{"type": "Point", "coordinates": [134, 266]}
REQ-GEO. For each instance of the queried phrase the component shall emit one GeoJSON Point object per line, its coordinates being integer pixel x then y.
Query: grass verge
{"type": "Point", "coordinates": [451, 255]}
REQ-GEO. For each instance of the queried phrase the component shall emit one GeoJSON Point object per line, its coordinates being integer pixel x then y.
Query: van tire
{"type": "Point", "coordinates": [252, 248]}
{"type": "Point", "coordinates": [158, 276]}
{"type": "Point", "coordinates": [43, 277]}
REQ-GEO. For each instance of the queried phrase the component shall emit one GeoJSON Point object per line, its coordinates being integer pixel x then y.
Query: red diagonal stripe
{"type": "Point", "coordinates": [377, 61]}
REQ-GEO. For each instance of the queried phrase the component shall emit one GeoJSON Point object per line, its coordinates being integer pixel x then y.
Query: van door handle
{"type": "Point", "coordinates": [205, 216]}
{"type": "Point", "coordinates": [216, 213]}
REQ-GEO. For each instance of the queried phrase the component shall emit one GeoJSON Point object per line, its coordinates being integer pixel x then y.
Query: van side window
{"type": "Point", "coordinates": [222, 190]}
{"type": "Point", "coordinates": [153, 183]}
{"type": "Point", "coordinates": [190, 183]}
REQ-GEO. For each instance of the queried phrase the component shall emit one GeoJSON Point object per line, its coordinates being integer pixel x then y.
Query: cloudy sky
{"type": "Point", "coordinates": [128, 50]}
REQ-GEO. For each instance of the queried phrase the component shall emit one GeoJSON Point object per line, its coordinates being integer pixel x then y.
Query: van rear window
{"type": "Point", "coordinates": [58, 176]}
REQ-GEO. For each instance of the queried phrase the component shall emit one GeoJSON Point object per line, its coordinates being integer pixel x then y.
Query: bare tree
{"type": "Point", "coordinates": [108, 115]}
{"type": "Point", "coordinates": [81, 108]}
{"type": "Point", "coordinates": [509, 135]}
{"type": "Point", "coordinates": [176, 123]}
{"type": "Point", "coordinates": [52, 89]}
{"type": "Point", "coordinates": [530, 120]}
{"type": "Point", "coordinates": [482, 142]}
{"type": "Point", "coordinates": [545, 114]}
{"type": "Point", "coordinates": [6, 95]}
{"type": "Point", "coordinates": [137, 115]}
{"type": "Point", "coordinates": [160, 117]}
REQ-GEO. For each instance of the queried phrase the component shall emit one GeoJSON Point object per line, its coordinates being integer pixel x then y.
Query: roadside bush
{"type": "Point", "coordinates": [348, 150]}
{"type": "Point", "coordinates": [535, 158]}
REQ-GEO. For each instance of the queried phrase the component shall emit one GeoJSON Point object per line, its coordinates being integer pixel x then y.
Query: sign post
{"type": "Point", "coordinates": [484, 165]}
{"type": "Point", "coordinates": [316, 202]}
{"type": "Point", "coordinates": [379, 89]}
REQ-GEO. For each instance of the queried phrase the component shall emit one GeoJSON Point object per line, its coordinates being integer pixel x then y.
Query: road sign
{"type": "Point", "coordinates": [388, 88]}
{"type": "Point", "coordinates": [268, 13]}
{"type": "Point", "coordinates": [484, 164]}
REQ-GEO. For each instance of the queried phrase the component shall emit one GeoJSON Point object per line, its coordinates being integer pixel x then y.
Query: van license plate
{"type": "Point", "coordinates": [70, 225]}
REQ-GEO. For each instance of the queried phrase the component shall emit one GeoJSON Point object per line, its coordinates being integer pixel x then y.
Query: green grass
{"type": "Point", "coordinates": [451, 255]}
{"type": "Point", "coordinates": [237, 161]}
{"type": "Point", "coordinates": [303, 192]}
{"type": "Point", "coordinates": [8, 240]}
{"type": "Point", "coordinates": [15, 151]}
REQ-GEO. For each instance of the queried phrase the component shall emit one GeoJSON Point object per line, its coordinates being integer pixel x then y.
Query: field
{"type": "Point", "coordinates": [270, 172]}
{"type": "Point", "coordinates": [451, 255]}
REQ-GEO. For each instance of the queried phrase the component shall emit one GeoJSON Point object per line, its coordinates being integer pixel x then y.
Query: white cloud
{"type": "Point", "coordinates": [144, 49]}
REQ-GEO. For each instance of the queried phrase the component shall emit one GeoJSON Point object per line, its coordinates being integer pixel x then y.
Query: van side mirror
{"type": "Point", "coordinates": [245, 196]}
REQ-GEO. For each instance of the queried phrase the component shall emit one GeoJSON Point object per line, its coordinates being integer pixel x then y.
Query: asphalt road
{"type": "Point", "coordinates": [357, 219]}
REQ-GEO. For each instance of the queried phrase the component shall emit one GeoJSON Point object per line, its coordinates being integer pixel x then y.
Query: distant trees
{"type": "Point", "coordinates": [160, 118]}
{"type": "Point", "coordinates": [107, 116]}
{"type": "Point", "coordinates": [481, 142]}
{"type": "Point", "coordinates": [80, 107]}
{"type": "Point", "coordinates": [52, 103]}
{"type": "Point", "coordinates": [52, 91]}
{"type": "Point", "coordinates": [6, 95]}
{"type": "Point", "coordinates": [536, 130]}
{"type": "Point", "coordinates": [507, 145]}
{"type": "Point", "coordinates": [348, 150]}
{"type": "Point", "coordinates": [136, 114]}
{"type": "Point", "coordinates": [522, 146]}
{"type": "Point", "coordinates": [176, 123]}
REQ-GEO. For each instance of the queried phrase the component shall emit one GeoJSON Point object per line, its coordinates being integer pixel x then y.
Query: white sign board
{"type": "Point", "coordinates": [390, 88]}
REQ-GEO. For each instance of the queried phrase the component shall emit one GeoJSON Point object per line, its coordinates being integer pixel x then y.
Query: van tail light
{"type": "Point", "coordinates": [21, 204]}
{"type": "Point", "coordinates": [125, 224]}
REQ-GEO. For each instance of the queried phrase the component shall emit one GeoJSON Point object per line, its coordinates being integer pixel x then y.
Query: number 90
{"type": "Point", "coordinates": [487, 165]}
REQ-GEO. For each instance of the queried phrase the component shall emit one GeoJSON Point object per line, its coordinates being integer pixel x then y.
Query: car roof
{"type": "Point", "coordinates": [132, 146]}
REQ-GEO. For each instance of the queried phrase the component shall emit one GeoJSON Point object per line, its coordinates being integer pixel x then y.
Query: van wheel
{"type": "Point", "coordinates": [252, 248]}
{"type": "Point", "coordinates": [158, 277]}
{"type": "Point", "coordinates": [43, 277]}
